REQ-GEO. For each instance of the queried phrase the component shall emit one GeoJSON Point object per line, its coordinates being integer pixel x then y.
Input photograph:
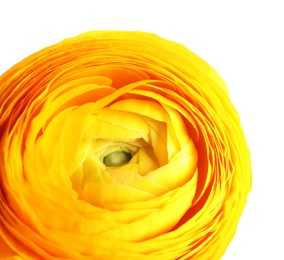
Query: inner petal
{"type": "Point", "coordinates": [118, 154]}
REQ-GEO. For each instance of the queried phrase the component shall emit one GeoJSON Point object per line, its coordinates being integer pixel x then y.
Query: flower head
{"type": "Point", "coordinates": [119, 145]}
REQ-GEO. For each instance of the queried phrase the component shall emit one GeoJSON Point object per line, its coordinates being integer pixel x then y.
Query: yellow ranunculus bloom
{"type": "Point", "coordinates": [118, 145]}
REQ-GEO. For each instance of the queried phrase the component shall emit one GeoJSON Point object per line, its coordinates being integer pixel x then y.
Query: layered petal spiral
{"type": "Point", "coordinates": [119, 145]}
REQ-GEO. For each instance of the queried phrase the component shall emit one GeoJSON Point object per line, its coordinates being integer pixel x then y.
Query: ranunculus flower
{"type": "Point", "coordinates": [119, 145]}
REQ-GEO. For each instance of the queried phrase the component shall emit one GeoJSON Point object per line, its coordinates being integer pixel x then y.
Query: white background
{"type": "Point", "coordinates": [243, 40]}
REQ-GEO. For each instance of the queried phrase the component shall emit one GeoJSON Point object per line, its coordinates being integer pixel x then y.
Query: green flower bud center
{"type": "Point", "coordinates": [117, 158]}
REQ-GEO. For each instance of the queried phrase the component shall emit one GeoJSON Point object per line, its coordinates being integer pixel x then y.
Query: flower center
{"type": "Point", "coordinates": [117, 158]}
